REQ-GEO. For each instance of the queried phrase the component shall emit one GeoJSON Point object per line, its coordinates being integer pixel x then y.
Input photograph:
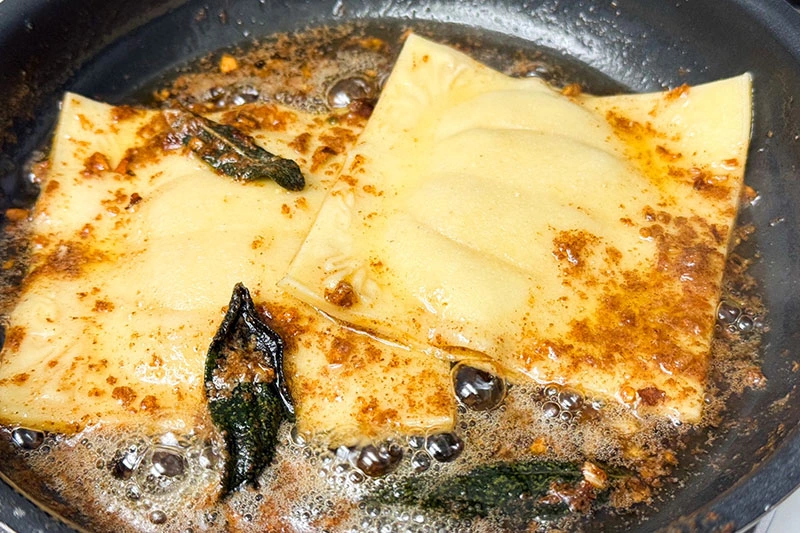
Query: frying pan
{"type": "Point", "coordinates": [113, 51]}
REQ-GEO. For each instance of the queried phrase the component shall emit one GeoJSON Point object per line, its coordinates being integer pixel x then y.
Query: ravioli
{"type": "Point", "coordinates": [137, 246]}
{"type": "Point", "coordinates": [576, 240]}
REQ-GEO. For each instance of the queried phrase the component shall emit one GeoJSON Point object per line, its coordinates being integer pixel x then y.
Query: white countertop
{"type": "Point", "coordinates": [784, 519]}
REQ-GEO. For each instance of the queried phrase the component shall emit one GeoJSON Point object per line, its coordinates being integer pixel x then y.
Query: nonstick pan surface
{"type": "Point", "coordinates": [114, 51]}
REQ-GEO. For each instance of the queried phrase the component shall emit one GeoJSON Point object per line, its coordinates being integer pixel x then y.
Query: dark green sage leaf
{"type": "Point", "coordinates": [231, 151]}
{"type": "Point", "coordinates": [250, 419]}
{"type": "Point", "coordinates": [518, 492]}
{"type": "Point", "coordinates": [246, 391]}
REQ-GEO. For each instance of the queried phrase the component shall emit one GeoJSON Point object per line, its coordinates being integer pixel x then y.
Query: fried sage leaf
{"type": "Point", "coordinates": [232, 152]}
{"type": "Point", "coordinates": [518, 491]}
{"type": "Point", "coordinates": [246, 392]}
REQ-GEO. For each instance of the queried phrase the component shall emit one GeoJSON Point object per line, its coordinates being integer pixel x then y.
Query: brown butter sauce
{"type": "Point", "coordinates": [135, 482]}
